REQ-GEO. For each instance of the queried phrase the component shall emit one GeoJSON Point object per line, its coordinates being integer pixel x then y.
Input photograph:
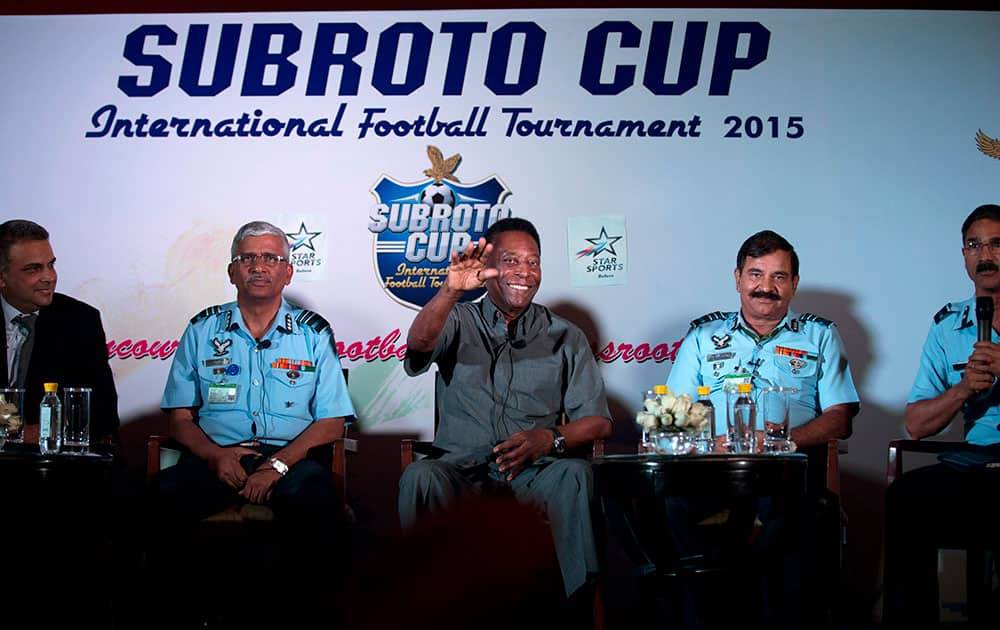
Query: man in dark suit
{"type": "Point", "coordinates": [50, 337]}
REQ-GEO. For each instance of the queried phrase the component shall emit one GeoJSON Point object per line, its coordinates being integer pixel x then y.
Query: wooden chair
{"type": "Point", "coordinates": [163, 452]}
{"type": "Point", "coordinates": [979, 562]}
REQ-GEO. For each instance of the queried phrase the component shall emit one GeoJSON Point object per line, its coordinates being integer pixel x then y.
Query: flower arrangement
{"type": "Point", "coordinates": [663, 411]}
{"type": "Point", "coordinates": [10, 420]}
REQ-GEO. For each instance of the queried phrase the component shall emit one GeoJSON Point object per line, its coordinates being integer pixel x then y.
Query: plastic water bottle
{"type": "Point", "coordinates": [50, 421]}
{"type": "Point", "coordinates": [707, 438]}
{"type": "Point", "coordinates": [745, 419]}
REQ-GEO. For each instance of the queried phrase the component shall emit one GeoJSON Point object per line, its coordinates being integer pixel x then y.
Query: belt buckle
{"type": "Point", "coordinates": [250, 444]}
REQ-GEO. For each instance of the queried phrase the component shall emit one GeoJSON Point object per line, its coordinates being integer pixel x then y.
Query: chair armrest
{"type": "Point", "coordinates": [341, 447]}
{"type": "Point", "coordinates": [896, 447]}
{"type": "Point", "coordinates": [154, 444]}
{"type": "Point", "coordinates": [410, 448]}
{"type": "Point", "coordinates": [598, 449]}
{"type": "Point", "coordinates": [834, 449]}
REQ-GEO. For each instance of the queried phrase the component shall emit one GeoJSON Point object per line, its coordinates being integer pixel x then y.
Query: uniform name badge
{"type": "Point", "coordinates": [222, 393]}
{"type": "Point", "coordinates": [731, 382]}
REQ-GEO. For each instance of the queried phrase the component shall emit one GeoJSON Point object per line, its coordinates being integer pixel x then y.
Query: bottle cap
{"type": "Point", "coordinates": [703, 390]}
{"type": "Point", "coordinates": [744, 388]}
{"type": "Point", "coordinates": [50, 387]}
{"type": "Point", "coordinates": [659, 389]}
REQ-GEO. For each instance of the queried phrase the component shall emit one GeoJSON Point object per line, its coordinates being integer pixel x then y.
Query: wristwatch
{"type": "Point", "coordinates": [559, 443]}
{"type": "Point", "coordinates": [279, 466]}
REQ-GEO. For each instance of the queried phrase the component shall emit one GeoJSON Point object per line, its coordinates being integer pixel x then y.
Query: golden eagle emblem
{"type": "Point", "coordinates": [440, 167]}
{"type": "Point", "coordinates": [989, 146]}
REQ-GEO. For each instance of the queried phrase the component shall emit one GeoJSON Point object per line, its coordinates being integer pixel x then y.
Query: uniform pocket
{"type": "Point", "coordinates": [797, 367]}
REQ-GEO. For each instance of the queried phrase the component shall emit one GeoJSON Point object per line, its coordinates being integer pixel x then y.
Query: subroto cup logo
{"type": "Point", "coordinates": [418, 225]}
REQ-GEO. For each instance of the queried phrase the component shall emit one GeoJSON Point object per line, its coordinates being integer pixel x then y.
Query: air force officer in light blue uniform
{"type": "Point", "coordinates": [771, 346]}
{"type": "Point", "coordinates": [254, 386]}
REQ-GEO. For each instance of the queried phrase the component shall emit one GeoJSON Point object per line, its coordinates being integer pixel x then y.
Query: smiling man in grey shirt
{"type": "Point", "coordinates": [509, 369]}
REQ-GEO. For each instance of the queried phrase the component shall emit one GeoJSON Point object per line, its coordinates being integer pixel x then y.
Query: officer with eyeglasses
{"type": "Point", "coordinates": [256, 384]}
{"type": "Point", "coordinates": [943, 504]}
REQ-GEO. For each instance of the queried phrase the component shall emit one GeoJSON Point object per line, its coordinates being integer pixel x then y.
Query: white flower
{"type": "Point", "coordinates": [682, 404]}
{"type": "Point", "coordinates": [667, 401]}
{"type": "Point", "coordinates": [698, 417]}
{"type": "Point", "coordinates": [648, 421]}
{"type": "Point", "coordinates": [672, 413]}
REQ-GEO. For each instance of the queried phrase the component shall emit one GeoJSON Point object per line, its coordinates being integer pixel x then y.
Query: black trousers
{"type": "Point", "coordinates": [190, 491]}
{"type": "Point", "coordinates": [926, 509]}
{"type": "Point", "coordinates": [228, 574]}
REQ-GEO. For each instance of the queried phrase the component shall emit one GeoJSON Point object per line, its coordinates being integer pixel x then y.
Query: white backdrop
{"type": "Point", "coordinates": [872, 194]}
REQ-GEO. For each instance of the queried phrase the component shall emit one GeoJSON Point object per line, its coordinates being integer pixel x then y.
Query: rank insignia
{"type": "Point", "coordinates": [721, 342]}
{"type": "Point", "coordinates": [221, 347]}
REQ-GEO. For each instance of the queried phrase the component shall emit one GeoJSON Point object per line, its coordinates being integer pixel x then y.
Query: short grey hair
{"type": "Point", "coordinates": [259, 228]}
{"type": "Point", "coordinates": [15, 231]}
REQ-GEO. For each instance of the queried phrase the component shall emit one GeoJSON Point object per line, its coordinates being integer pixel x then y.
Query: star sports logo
{"type": "Point", "coordinates": [599, 245]}
{"type": "Point", "coordinates": [303, 251]}
{"type": "Point", "coordinates": [302, 238]}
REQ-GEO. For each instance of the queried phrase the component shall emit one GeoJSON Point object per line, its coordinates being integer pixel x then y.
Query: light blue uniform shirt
{"type": "Point", "coordinates": [278, 386]}
{"type": "Point", "coordinates": [942, 363]}
{"type": "Point", "coordinates": [804, 351]}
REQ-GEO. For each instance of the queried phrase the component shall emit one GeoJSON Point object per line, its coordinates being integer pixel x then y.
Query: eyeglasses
{"type": "Point", "coordinates": [974, 244]}
{"type": "Point", "coordinates": [250, 260]}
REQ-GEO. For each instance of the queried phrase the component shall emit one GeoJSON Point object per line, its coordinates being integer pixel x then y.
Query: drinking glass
{"type": "Point", "coordinates": [76, 420]}
{"type": "Point", "coordinates": [12, 414]}
{"type": "Point", "coordinates": [776, 410]}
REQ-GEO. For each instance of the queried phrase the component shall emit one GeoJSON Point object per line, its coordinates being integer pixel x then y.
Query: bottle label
{"type": "Point", "coordinates": [44, 426]}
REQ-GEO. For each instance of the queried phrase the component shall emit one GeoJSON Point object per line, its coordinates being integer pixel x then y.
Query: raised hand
{"type": "Point", "coordinates": [468, 269]}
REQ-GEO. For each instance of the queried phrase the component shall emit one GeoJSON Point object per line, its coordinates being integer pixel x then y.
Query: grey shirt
{"type": "Point", "coordinates": [491, 386]}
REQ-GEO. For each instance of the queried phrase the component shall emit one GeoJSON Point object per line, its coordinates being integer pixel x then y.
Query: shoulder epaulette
{"type": "Point", "coordinates": [704, 319]}
{"type": "Point", "coordinates": [812, 317]}
{"type": "Point", "coordinates": [312, 320]}
{"type": "Point", "coordinates": [945, 311]}
{"type": "Point", "coordinates": [208, 312]}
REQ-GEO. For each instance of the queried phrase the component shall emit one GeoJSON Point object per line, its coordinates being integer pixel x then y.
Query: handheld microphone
{"type": "Point", "coordinates": [984, 318]}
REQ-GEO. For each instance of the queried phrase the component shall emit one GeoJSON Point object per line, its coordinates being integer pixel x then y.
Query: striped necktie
{"type": "Point", "coordinates": [19, 366]}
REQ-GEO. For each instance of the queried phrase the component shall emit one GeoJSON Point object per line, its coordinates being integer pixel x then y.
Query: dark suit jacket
{"type": "Point", "coordinates": [70, 348]}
